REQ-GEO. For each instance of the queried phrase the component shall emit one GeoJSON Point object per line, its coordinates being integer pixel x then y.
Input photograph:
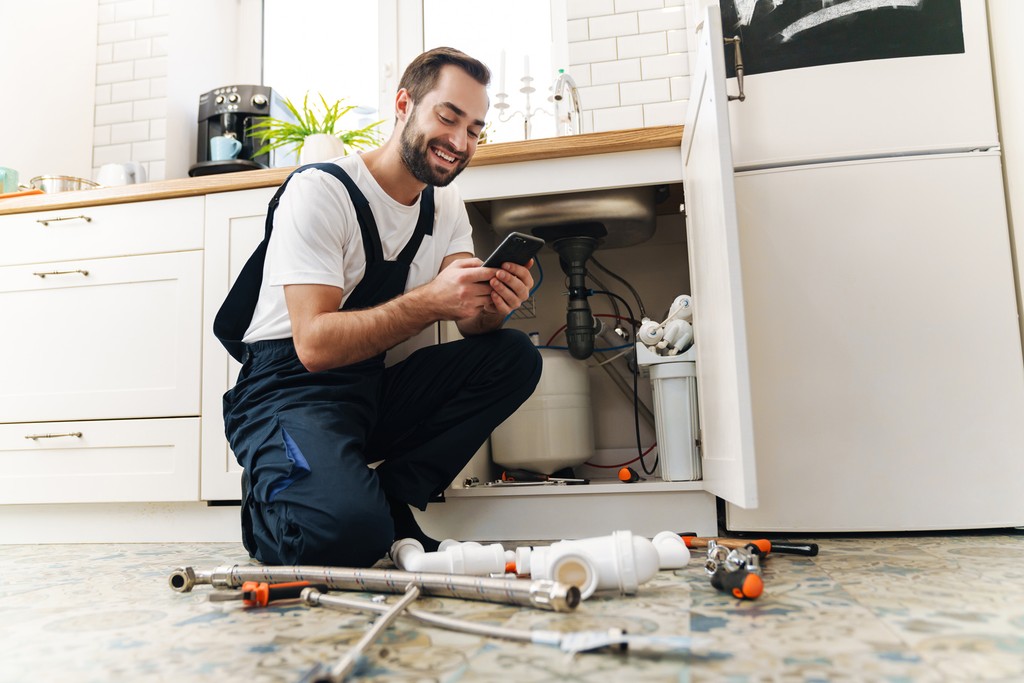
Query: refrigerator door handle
{"type": "Point", "coordinates": [738, 60]}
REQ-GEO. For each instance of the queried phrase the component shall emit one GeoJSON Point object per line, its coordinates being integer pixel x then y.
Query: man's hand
{"type": "Point", "coordinates": [461, 290]}
{"type": "Point", "coordinates": [510, 287]}
{"type": "Point", "coordinates": [478, 299]}
{"type": "Point", "coordinates": [507, 288]}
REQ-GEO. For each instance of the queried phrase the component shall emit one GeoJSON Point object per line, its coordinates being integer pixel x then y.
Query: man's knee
{"type": "Point", "coordinates": [515, 353]}
{"type": "Point", "coordinates": [345, 535]}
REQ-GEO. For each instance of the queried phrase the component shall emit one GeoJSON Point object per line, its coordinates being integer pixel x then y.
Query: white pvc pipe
{"type": "Point", "coordinates": [620, 562]}
{"type": "Point", "coordinates": [468, 559]}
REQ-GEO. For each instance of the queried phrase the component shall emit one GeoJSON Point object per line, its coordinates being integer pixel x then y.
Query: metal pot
{"type": "Point", "coordinates": [61, 183]}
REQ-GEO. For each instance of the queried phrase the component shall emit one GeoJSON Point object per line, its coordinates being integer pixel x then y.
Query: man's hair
{"type": "Point", "coordinates": [420, 76]}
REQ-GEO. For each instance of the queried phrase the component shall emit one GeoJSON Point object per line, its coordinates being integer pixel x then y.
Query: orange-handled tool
{"type": "Point", "coordinates": [256, 594]}
{"type": "Point", "coordinates": [761, 546]}
{"type": "Point", "coordinates": [741, 583]}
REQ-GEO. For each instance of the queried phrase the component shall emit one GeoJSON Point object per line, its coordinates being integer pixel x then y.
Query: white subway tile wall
{"type": "Point", "coordinates": [131, 85]}
{"type": "Point", "coordinates": [629, 59]}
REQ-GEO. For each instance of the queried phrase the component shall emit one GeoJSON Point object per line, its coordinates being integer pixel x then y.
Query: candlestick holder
{"type": "Point", "coordinates": [527, 112]}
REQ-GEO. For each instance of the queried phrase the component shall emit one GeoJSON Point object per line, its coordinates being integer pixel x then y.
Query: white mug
{"type": "Point", "coordinates": [128, 173]}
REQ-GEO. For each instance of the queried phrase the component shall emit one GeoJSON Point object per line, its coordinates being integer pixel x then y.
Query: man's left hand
{"type": "Point", "coordinates": [510, 287]}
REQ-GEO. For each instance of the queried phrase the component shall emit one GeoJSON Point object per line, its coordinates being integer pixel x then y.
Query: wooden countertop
{"type": "Point", "coordinates": [498, 153]}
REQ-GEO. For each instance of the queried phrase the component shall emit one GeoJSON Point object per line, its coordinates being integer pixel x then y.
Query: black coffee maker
{"type": "Point", "coordinates": [228, 112]}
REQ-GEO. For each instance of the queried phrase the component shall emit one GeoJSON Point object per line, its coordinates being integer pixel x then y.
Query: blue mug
{"type": "Point", "coordinates": [224, 147]}
{"type": "Point", "coordinates": [8, 180]}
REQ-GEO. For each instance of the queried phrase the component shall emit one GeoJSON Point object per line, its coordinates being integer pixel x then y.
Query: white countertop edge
{"type": "Point", "coordinates": [571, 174]}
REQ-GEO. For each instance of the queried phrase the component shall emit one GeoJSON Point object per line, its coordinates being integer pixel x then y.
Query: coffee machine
{"type": "Point", "coordinates": [229, 112]}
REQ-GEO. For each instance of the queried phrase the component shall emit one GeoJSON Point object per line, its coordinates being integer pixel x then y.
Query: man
{"type": "Point", "coordinates": [360, 255]}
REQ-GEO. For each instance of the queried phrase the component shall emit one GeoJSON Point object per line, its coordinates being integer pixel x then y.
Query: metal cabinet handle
{"type": "Point", "coordinates": [77, 435]}
{"type": "Point", "coordinates": [47, 221]}
{"type": "Point", "coordinates": [739, 67]}
{"type": "Point", "coordinates": [61, 272]}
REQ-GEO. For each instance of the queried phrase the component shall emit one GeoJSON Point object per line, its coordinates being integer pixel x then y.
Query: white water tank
{"type": "Point", "coordinates": [554, 428]}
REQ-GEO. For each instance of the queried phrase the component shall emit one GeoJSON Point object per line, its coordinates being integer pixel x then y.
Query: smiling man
{"type": "Point", "coordinates": [361, 254]}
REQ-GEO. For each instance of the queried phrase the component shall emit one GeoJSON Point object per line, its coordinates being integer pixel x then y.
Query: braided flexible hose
{"type": "Point", "coordinates": [542, 594]}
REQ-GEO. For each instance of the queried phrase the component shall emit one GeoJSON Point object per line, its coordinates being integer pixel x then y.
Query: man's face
{"type": "Point", "coordinates": [441, 132]}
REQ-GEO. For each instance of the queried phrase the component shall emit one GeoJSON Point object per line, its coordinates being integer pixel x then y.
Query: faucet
{"type": "Point", "coordinates": [572, 124]}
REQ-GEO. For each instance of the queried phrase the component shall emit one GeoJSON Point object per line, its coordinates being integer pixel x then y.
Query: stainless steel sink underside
{"type": "Point", "coordinates": [618, 217]}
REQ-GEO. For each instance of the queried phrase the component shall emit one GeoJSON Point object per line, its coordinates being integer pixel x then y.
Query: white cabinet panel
{"type": "Point", "coordinates": [869, 108]}
{"type": "Point", "coordinates": [101, 231]}
{"type": "Point", "coordinates": [103, 338]}
{"type": "Point", "coordinates": [886, 367]}
{"type": "Point", "coordinates": [108, 461]}
{"type": "Point", "coordinates": [713, 244]}
{"type": "Point", "coordinates": [234, 226]}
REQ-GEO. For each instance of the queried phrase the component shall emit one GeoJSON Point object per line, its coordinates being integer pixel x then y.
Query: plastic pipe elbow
{"type": "Point", "coordinates": [407, 554]}
{"type": "Point", "coordinates": [672, 550]}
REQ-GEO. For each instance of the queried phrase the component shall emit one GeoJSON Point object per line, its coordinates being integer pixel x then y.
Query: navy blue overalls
{"type": "Point", "coordinates": [305, 439]}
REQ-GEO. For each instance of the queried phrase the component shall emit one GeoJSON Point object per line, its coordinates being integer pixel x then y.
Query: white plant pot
{"type": "Point", "coordinates": [320, 147]}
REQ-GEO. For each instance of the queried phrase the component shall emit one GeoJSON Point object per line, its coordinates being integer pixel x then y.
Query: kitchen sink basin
{"type": "Point", "coordinates": [618, 217]}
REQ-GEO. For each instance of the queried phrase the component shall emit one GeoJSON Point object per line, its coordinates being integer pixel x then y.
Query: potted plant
{"type": "Point", "coordinates": [315, 133]}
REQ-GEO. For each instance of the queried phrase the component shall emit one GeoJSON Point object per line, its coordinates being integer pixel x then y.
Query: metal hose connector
{"type": "Point", "coordinates": [542, 594]}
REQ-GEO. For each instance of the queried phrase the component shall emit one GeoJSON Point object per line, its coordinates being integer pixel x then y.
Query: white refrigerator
{"type": "Point", "coordinates": [863, 204]}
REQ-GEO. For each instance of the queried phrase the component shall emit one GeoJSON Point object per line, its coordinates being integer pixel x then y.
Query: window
{"type": "Point", "coordinates": [327, 47]}
{"type": "Point", "coordinates": [514, 40]}
{"type": "Point", "coordinates": [345, 50]}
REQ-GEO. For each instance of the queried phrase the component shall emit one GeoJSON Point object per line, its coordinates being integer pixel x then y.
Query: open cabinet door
{"type": "Point", "coordinates": [723, 378]}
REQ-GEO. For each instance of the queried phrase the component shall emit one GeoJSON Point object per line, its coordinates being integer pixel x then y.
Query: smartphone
{"type": "Point", "coordinates": [516, 248]}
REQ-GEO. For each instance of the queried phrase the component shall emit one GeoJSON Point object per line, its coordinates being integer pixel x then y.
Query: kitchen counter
{"type": "Point", "coordinates": [630, 140]}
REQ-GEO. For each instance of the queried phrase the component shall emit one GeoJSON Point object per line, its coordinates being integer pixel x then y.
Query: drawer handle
{"type": "Point", "coordinates": [77, 435]}
{"type": "Point", "coordinates": [47, 221]}
{"type": "Point", "coordinates": [61, 272]}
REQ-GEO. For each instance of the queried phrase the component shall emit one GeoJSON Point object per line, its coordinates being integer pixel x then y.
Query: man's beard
{"type": "Point", "coordinates": [416, 156]}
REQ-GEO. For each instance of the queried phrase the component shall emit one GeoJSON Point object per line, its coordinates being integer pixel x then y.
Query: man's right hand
{"type": "Point", "coordinates": [461, 290]}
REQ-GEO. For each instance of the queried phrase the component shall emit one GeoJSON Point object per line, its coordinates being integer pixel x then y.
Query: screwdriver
{"type": "Point", "coordinates": [762, 546]}
{"type": "Point", "coordinates": [255, 594]}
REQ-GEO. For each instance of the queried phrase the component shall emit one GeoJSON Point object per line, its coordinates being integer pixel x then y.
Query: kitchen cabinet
{"type": "Point", "coordinates": [883, 364]}
{"type": "Point", "coordinates": [234, 227]}
{"type": "Point", "coordinates": [106, 304]}
{"type": "Point", "coordinates": [97, 325]}
{"type": "Point", "coordinates": [552, 512]}
{"type": "Point", "coordinates": [886, 365]}
{"type": "Point", "coordinates": [100, 461]}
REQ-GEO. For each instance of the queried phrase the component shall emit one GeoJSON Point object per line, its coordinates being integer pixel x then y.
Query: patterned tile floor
{"type": "Point", "coordinates": [909, 608]}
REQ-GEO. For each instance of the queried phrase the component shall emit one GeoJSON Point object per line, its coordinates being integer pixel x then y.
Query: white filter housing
{"type": "Point", "coordinates": [554, 428]}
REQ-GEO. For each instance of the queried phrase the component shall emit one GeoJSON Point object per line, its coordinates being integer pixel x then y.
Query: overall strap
{"type": "Point", "coordinates": [235, 314]}
{"type": "Point", "coordinates": [424, 226]}
{"type": "Point", "coordinates": [367, 225]}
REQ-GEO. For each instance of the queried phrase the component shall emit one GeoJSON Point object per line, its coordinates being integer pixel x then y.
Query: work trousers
{"type": "Point", "coordinates": [306, 440]}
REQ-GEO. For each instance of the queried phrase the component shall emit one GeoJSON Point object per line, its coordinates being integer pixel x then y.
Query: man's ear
{"type": "Point", "coordinates": [403, 105]}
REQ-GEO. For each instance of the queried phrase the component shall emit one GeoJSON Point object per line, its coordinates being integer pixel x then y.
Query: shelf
{"type": "Point", "coordinates": [595, 487]}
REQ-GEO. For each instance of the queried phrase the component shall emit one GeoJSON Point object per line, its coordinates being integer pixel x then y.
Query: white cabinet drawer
{"type": "Point", "coordinates": [112, 461]}
{"type": "Point", "coordinates": [98, 231]}
{"type": "Point", "coordinates": [103, 338]}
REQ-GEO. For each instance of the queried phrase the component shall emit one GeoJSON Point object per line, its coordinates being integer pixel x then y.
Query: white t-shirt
{"type": "Point", "coordinates": [316, 240]}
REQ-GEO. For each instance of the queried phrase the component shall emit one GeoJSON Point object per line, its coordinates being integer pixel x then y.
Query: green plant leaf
{"type": "Point", "coordinates": [273, 133]}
